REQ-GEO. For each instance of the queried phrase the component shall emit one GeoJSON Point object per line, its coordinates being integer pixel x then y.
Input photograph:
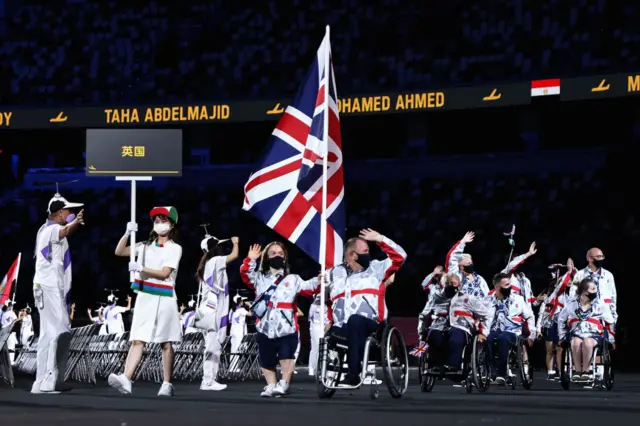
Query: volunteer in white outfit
{"type": "Point", "coordinates": [26, 328]}
{"type": "Point", "coordinates": [155, 317]}
{"type": "Point", "coordinates": [51, 290]}
{"type": "Point", "coordinates": [315, 317]}
{"type": "Point", "coordinates": [238, 320]}
{"type": "Point", "coordinates": [276, 291]}
{"type": "Point", "coordinates": [8, 319]}
{"type": "Point", "coordinates": [112, 315]}
{"type": "Point", "coordinates": [212, 315]}
{"type": "Point", "coordinates": [461, 264]}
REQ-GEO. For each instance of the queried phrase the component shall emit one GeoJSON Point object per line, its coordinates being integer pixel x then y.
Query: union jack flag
{"type": "Point", "coordinates": [286, 190]}
{"type": "Point", "coordinates": [419, 350]}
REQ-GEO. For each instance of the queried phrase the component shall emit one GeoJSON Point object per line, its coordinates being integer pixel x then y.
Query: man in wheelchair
{"type": "Point", "coordinates": [450, 317]}
{"type": "Point", "coordinates": [583, 324]}
{"type": "Point", "coordinates": [511, 311]}
{"type": "Point", "coordinates": [357, 290]}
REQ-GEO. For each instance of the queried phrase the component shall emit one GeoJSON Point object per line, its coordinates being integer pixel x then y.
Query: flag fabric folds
{"type": "Point", "coordinates": [285, 192]}
{"type": "Point", "coordinates": [7, 282]}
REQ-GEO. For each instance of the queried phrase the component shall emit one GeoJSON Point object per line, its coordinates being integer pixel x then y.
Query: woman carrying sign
{"type": "Point", "coordinates": [155, 316]}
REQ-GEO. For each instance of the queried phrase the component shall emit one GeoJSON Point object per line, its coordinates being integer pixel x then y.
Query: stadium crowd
{"type": "Point", "coordinates": [79, 51]}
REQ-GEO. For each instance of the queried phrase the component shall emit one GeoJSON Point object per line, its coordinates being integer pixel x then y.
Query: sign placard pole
{"type": "Point", "coordinates": [133, 180]}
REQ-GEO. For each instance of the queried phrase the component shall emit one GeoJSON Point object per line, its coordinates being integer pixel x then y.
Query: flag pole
{"type": "Point", "coordinates": [325, 154]}
{"type": "Point", "coordinates": [15, 286]}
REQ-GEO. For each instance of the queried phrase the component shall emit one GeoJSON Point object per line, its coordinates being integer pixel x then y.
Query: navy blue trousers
{"type": "Point", "coordinates": [357, 330]}
{"type": "Point", "coordinates": [455, 339]}
{"type": "Point", "coordinates": [504, 341]}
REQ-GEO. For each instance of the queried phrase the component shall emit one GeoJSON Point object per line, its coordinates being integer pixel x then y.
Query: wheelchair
{"type": "Point", "coordinates": [603, 377]}
{"type": "Point", "coordinates": [475, 368]}
{"type": "Point", "coordinates": [517, 367]}
{"type": "Point", "coordinates": [394, 360]}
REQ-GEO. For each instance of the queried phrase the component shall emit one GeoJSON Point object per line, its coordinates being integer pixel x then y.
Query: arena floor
{"type": "Point", "coordinates": [547, 404]}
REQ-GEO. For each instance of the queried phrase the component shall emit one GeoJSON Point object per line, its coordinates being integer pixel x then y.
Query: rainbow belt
{"type": "Point", "coordinates": [165, 290]}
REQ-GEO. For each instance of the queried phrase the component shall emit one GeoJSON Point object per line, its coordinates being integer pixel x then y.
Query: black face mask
{"type": "Point", "coordinates": [598, 263]}
{"type": "Point", "coordinates": [468, 268]}
{"type": "Point", "coordinates": [591, 296]}
{"type": "Point", "coordinates": [276, 262]}
{"type": "Point", "coordinates": [450, 291]}
{"type": "Point", "coordinates": [506, 292]}
{"type": "Point", "coordinates": [364, 259]}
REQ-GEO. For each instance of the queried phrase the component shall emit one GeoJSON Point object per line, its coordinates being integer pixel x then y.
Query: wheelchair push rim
{"type": "Point", "coordinates": [395, 362]}
{"type": "Point", "coordinates": [480, 365]}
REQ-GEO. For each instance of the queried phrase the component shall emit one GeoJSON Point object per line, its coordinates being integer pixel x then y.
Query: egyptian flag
{"type": "Point", "coordinates": [9, 279]}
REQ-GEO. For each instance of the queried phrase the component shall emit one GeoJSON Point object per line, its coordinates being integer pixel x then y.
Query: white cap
{"type": "Point", "coordinates": [204, 244]}
{"type": "Point", "coordinates": [8, 303]}
{"type": "Point", "coordinates": [58, 202]}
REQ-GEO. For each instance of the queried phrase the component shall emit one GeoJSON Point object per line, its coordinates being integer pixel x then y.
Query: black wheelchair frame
{"type": "Point", "coordinates": [475, 368]}
{"type": "Point", "coordinates": [603, 351]}
{"type": "Point", "coordinates": [332, 355]}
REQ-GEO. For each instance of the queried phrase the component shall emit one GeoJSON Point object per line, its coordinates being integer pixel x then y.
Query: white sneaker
{"type": "Point", "coordinates": [312, 373]}
{"type": "Point", "coordinates": [267, 392]}
{"type": "Point", "coordinates": [213, 386]}
{"type": "Point", "coordinates": [282, 388]}
{"type": "Point", "coordinates": [120, 382]}
{"type": "Point", "coordinates": [370, 381]}
{"type": "Point", "coordinates": [36, 390]}
{"type": "Point", "coordinates": [166, 390]}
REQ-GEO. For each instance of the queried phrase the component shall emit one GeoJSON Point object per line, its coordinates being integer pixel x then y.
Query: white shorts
{"type": "Point", "coordinates": [155, 319]}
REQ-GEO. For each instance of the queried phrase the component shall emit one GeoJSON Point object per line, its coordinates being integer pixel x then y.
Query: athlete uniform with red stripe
{"type": "Point", "coordinates": [362, 293]}
{"type": "Point", "coordinates": [519, 282]}
{"type": "Point", "coordinates": [605, 284]}
{"type": "Point", "coordinates": [551, 307]}
{"type": "Point", "coordinates": [574, 322]}
{"type": "Point", "coordinates": [473, 283]}
{"type": "Point", "coordinates": [511, 315]}
{"type": "Point", "coordinates": [281, 318]}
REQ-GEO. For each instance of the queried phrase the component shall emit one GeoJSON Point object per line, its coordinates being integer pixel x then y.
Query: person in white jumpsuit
{"type": "Point", "coordinates": [238, 320]}
{"type": "Point", "coordinates": [8, 319]}
{"type": "Point", "coordinates": [212, 314]}
{"type": "Point", "coordinates": [51, 291]}
{"type": "Point", "coordinates": [26, 326]}
{"type": "Point", "coordinates": [155, 318]}
{"type": "Point", "coordinates": [112, 315]}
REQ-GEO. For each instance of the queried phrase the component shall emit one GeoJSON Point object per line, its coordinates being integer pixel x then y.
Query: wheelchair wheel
{"type": "Point", "coordinates": [427, 382]}
{"type": "Point", "coordinates": [325, 361]}
{"type": "Point", "coordinates": [480, 365]}
{"type": "Point", "coordinates": [565, 369]}
{"type": "Point", "coordinates": [395, 361]}
{"type": "Point", "coordinates": [607, 376]}
{"type": "Point", "coordinates": [524, 368]}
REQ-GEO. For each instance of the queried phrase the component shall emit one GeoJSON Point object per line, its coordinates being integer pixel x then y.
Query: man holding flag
{"type": "Point", "coordinates": [298, 189]}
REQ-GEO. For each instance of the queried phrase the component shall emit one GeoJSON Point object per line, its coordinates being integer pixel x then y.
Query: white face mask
{"type": "Point", "coordinates": [161, 228]}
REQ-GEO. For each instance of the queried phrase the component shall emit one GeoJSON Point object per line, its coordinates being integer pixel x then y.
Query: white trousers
{"type": "Point", "coordinates": [212, 350]}
{"type": "Point", "coordinates": [11, 346]}
{"type": "Point", "coordinates": [236, 340]}
{"type": "Point", "coordinates": [314, 336]}
{"type": "Point", "coordinates": [54, 340]}
{"type": "Point", "coordinates": [24, 338]}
